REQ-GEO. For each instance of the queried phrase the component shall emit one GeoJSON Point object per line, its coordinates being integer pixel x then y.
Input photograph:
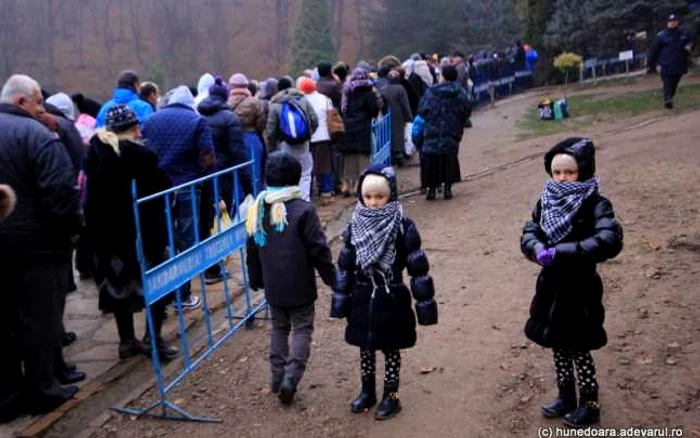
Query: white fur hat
{"type": "Point", "coordinates": [376, 183]}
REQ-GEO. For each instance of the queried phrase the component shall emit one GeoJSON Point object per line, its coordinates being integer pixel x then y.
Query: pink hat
{"type": "Point", "coordinates": [238, 80]}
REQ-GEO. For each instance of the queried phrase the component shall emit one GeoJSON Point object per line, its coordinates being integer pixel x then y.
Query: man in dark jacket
{"type": "Point", "coordinates": [182, 139]}
{"type": "Point", "coordinates": [328, 85]}
{"type": "Point", "coordinates": [33, 240]}
{"type": "Point", "coordinates": [671, 51]}
{"type": "Point", "coordinates": [282, 260]}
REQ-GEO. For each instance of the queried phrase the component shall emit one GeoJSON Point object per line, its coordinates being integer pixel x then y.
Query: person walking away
{"type": "Point", "coordinates": [183, 141]}
{"type": "Point", "coordinates": [671, 51]}
{"type": "Point", "coordinates": [150, 94]}
{"type": "Point", "coordinates": [286, 244]}
{"type": "Point", "coordinates": [117, 157]}
{"type": "Point", "coordinates": [379, 243]}
{"type": "Point", "coordinates": [127, 93]}
{"type": "Point", "coordinates": [290, 124]}
{"type": "Point", "coordinates": [361, 103]}
{"type": "Point", "coordinates": [205, 81]}
{"type": "Point", "coordinates": [573, 228]}
{"type": "Point", "coordinates": [444, 109]}
{"type": "Point", "coordinates": [320, 140]}
{"type": "Point", "coordinates": [250, 111]}
{"type": "Point", "coordinates": [34, 240]}
{"type": "Point", "coordinates": [328, 85]}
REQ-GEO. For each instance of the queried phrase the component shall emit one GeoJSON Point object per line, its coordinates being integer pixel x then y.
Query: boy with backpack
{"type": "Point", "coordinates": [290, 124]}
{"type": "Point", "coordinates": [286, 245]}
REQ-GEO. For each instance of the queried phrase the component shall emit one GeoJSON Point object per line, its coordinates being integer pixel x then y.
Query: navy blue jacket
{"type": "Point", "coordinates": [34, 162]}
{"type": "Point", "coordinates": [182, 139]}
{"type": "Point", "coordinates": [445, 109]}
{"type": "Point", "coordinates": [669, 51]}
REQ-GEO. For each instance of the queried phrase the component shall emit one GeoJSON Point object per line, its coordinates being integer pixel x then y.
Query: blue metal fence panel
{"type": "Point", "coordinates": [381, 139]}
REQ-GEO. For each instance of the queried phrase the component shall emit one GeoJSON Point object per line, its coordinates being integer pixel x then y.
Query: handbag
{"type": "Point", "coordinates": [336, 126]}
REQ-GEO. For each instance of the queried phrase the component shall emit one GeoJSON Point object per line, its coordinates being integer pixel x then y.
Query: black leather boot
{"type": "Point", "coordinates": [448, 192]}
{"type": "Point", "coordinates": [586, 415]}
{"type": "Point", "coordinates": [390, 404]}
{"type": "Point", "coordinates": [276, 382]}
{"type": "Point", "coordinates": [563, 404]}
{"type": "Point", "coordinates": [431, 194]}
{"type": "Point", "coordinates": [288, 389]}
{"type": "Point", "coordinates": [367, 397]}
{"type": "Point", "coordinates": [130, 348]}
{"type": "Point", "coordinates": [166, 352]}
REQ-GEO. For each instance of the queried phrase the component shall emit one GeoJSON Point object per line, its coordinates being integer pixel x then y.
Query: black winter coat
{"type": "Point", "coordinates": [70, 137]}
{"type": "Point", "coordinates": [445, 109]}
{"type": "Point", "coordinates": [332, 90]}
{"type": "Point", "coordinates": [567, 310]}
{"type": "Point", "coordinates": [363, 106]}
{"type": "Point", "coordinates": [386, 322]}
{"type": "Point", "coordinates": [669, 51]}
{"type": "Point", "coordinates": [227, 134]}
{"type": "Point", "coordinates": [285, 266]}
{"type": "Point", "coordinates": [110, 222]}
{"type": "Point", "coordinates": [34, 162]}
{"type": "Point", "coordinates": [396, 101]}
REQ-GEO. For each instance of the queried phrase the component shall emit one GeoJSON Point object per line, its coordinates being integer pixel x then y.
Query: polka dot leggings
{"type": "Point", "coordinates": [564, 362]}
{"type": "Point", "coordinates": [392, 365]}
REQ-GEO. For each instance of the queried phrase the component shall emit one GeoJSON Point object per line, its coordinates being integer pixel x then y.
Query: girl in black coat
{"type": "Point", "coordinates": [380, 242]}
{"type": "Point", "coordinates": [572, 229]}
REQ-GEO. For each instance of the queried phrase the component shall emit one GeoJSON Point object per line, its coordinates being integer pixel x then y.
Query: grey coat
{"type": "Point", "coordinates": [396, 99]}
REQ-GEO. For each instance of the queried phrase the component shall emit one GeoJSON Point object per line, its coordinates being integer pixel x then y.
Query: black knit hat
{"type": "Point", "coordinates": [120, 118]}
{"type": "Point", "coordinates": [282, 170]}
{"type": "Point", "coordinates": [583, 151]}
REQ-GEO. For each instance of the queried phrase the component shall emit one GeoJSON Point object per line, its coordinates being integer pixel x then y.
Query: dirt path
{"type": "Point", "coordinates": [488, 380]}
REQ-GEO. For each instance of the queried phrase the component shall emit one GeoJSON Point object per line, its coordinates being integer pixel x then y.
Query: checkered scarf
{"type": "Point", "coordinates": [560, 203]}
{"type": "Point", "coordinates": [373, 234]}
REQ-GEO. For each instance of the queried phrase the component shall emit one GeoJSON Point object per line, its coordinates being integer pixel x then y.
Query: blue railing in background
{"type": "Point", "coordinates": [381, 140]}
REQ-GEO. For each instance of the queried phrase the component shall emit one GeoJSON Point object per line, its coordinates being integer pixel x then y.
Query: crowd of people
{"type": "Point", "coordinates": [65, 182]}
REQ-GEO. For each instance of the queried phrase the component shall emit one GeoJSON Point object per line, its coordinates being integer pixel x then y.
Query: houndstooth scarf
{"type": "Point", "coordinates": [373, 234]}
{"type": "Point", "coordinates": [560, 203]}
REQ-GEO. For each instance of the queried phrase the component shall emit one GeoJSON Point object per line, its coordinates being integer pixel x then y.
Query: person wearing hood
{"type": "Point", "coordinates": [61, 106]}
{"type": "Point", "coordinates": [183, 141]}
{"type": "Point", "coordinates": [379, 243]}
{"type": "Point", "coordinates": [444, 109]}
{"type": "Point", "coordinates": [274, 134]}
{"type": "Point", "coordinates": [268, 89]}
{"type": "Point", "coordinates": [250, 111]}
{"type": "Point", "coordinates": [397, 103]}
{"type": "Point", "coordinates": [127, 93]}
{"type": "Point", "coordinates": [117, 157]}
{"type": "Point", "coordinates": [573, 228]}
{"type": "Point", "coordinates": [230, 151]}
{"type": "Point", "coordinates": [360, 103]}
{"type": "Point", "coordinates": [206, 81]}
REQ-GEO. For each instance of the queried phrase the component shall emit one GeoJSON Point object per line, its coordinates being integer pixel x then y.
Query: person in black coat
{"type": "Point", "coordinates": [380, 242]}
{"type": "Point", "coordinates": [361, 102]}
{"type": "Point", "coordinates": [35, 240]}
{"type": "Point", "coordinates": [573, 228]}
{"type": "Point", "coordinates": [671, 50]}
{"type": "Point", "coordinates": [114, 159]}
{"type": "Point", "coordinates": [282, 254]}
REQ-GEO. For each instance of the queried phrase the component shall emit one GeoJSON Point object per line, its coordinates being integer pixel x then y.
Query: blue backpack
{"type": "Point", "coordinates": [294, 122]}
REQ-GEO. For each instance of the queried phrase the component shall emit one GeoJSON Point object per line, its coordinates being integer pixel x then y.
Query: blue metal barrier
{"type": "Point", "coordinates": [179, 268]}
{"type": "Point", "coordinates": [381, 140]}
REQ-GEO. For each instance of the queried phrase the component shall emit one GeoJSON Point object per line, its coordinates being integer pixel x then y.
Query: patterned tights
{"type": "Point", "coordinates": [564, 362]}
{"type": "Point", "coordinates": [392, 367]}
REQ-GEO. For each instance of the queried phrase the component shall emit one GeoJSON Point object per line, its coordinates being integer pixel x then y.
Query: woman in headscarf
{"type": "Point", "coordinates": [360, 103]}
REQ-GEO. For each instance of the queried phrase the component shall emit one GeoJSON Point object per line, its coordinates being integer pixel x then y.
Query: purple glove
{"type": "Point", "coordinates": [545, 257]}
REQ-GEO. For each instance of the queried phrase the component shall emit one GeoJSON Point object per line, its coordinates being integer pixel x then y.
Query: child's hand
{"type": "Point", "coordinates": [545, 257]}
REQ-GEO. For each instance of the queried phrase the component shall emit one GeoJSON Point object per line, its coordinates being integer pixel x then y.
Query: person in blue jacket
{"type": "Point", "coordinates": [671, 51]}
{"type": "Point", "coordinates": [127, 92]}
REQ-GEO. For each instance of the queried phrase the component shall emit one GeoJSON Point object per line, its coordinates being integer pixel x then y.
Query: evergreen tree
{"type": "Point", "coordinates": [313, 39]}
{"type": "Point", "coordinates": [490, 25]}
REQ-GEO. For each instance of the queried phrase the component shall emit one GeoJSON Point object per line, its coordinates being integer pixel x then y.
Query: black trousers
{"type": "Point", "coordinates": [670, 86]}
{"type": "Point", "coordinates": [30, 329]}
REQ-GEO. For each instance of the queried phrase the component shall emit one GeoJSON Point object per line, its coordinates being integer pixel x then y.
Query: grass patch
{"type": "Point", "coordinates": [585, 110]}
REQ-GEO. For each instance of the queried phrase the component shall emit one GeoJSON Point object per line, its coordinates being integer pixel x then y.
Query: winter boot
{"type": "Point", "coordinates": [431, 194]}
{"type": "Point", "coordinates": [563, 404]}
{"type": "Point", "coordinates": [166, 352]}
{"type": "Point", "coordinates": [367, 397]}
{"type": "Point", "coordinates": [276, 382]}
{"type": "Point", "coordinates": [390, 404]}
{"type": "Point", "coordinates": [448, 192]}
{"type": "Point", "coordinates": [586, 415]}
{"type": "Point", "coordinates": [130, 348]}
{"type": "Point", "coordinates": [288, 389]}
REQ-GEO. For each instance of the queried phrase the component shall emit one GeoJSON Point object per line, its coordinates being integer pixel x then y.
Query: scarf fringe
{"type": "Point", "coordinates": [278, 213]}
